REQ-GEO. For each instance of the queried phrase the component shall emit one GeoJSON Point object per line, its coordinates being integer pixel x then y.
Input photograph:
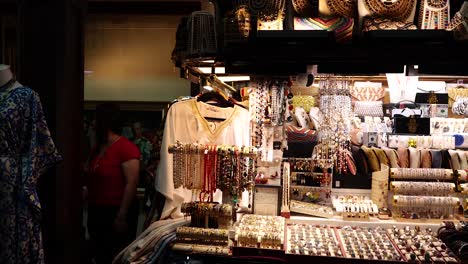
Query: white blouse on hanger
{"type": "Point", "coordinates": [186, 123]}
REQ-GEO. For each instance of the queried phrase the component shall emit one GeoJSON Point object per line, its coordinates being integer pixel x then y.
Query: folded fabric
{"type": "Point", "coordinates": [454, 159]}
{"type": "Point", "coordinates": [297, 134]}
{"type": "Point", "coordinates": [146, 241]}
{"type": "Point", "coordinates": [371, 158]}
{"type": "Point", "coordinates": [403, 157]}
{"type": "Point", "coordinates": [161, 246]}
{"type": "Point", "coordinates": [463, 160]}
{"type": "Point", "coordinates": [392, 157]}
{"type": "Point", "coordinates": [351, 163]}
{"type": "Point", "coordinates": [426, 158]}
{"type": "Point", "coordinates": [341, 26]}
{"type": "Point", "coordinates": [382, 157]}
{"type": "Point", "coordinates": [414, 158]}
{"type": "Point", "coordinates": [360, 160]}
{"type": "Point", "coordinates": [436, 159]}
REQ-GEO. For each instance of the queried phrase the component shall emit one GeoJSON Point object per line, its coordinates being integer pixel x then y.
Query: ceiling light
{"type": "Point", "coordinates": [208, 88]}
{"type": "Point", "coordinates": [234, 78]}
{"type": "Point", "coordinates": [208, 61]}
{"type": "Point", "coordinates": [207, 70]}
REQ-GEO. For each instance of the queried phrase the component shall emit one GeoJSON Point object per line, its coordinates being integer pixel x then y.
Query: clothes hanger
{"type": "Point", "coordinates": [214, 98]}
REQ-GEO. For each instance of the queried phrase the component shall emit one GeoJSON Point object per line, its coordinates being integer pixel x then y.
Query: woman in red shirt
{"type": "Point", "coordinates": [112, 182]}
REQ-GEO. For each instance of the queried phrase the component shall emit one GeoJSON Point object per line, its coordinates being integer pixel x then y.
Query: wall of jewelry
{"type": "Point", "coordinates": [423, 193]}
{"type": "Point", "coordinates": [206, 168]}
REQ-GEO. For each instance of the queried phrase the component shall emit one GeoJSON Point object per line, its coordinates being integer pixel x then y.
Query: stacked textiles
{"type": "Point", "coordinates": [152, 243]}
{"type": "Point", "coordinates": [341, 26]}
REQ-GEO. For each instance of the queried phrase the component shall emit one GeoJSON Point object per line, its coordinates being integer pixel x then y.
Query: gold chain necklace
{"type": "Point", "coordinates": [342, 7]}
{"type": "Point", "coordinates": [399, 10]}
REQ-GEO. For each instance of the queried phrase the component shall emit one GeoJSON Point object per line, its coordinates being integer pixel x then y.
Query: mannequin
{"type": "Point", "coordinates": [6, 76]}
{"type": "Point", "coordinates": [26, 151]}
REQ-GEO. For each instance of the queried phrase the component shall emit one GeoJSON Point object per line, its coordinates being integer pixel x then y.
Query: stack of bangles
{"type": "Point", "coordinates": [201, 235]}
{"type": "Point", "coordinates": [211, 209]}
{"type": "Point", "coordinates": [421, 174]}
{"type": "Point", "coordinates": [424, 201]}
{"type": "Point", "coordinates": [422, 188]}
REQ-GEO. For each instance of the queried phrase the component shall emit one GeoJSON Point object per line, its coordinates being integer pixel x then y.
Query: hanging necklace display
{"type": "Point", "coordinates": [334, 137]}
{"type": "Point", "coordinates": [395, 9]}
{"type": "Point", "coordinates": [258, 104]}
{"type": "Point", "coordinates": [434, 14]}
{"type": "Point", "coordinates": [277, 106]}
{"type": "Point", "coordinates": [271, 16]}
{"type": "Point", "coordinates": [210, 167]}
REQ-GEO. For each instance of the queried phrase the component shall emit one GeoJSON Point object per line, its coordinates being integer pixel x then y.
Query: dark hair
{"type": "Point", "coordinates": [107, 119]}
